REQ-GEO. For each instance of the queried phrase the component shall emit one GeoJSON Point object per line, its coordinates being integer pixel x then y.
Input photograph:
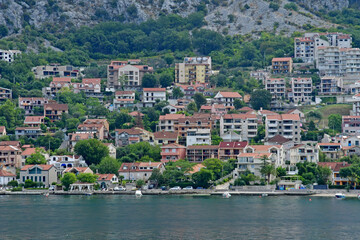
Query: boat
{"type": "Point", "coordinates": [340, 196]}
{"type": "Point", "coordinates": [358, 196]}
{"type": "Point", "coordinates": [46, 194]}
{"type": "Point", "coordinates": [88, 194]}
{"type": "Point", "coordinates": [138, 193]}
{"type": "Point", "coordinates": [264, 195]}
{"type": "Point", "coordinates": [226, 195]}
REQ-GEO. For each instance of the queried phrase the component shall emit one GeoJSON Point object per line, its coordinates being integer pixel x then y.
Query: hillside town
{"type": "Point", "coordinates": [299, 129]}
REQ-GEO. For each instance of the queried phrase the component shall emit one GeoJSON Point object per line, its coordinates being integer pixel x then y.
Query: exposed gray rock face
{"type": "Point", "coordinates": [228, 16]}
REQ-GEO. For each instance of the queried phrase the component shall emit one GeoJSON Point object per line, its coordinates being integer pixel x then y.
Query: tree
{"type": "Point", "coordinates": [312, 126]}
{"type": "Point", "coordinates": [156, 177]}
{"type": "Point", "coordinates": [13, 183]}
{"type": "Point", "coordinates": [280, 171]}
{"type": "Point", "coordinates": [149, 80]}
{"type": "Point", "coordinates": [36, 158]}
{"type": "Point", "coordinates": [267, 168]}
{"type": "Point", "coordinates": [238, 104]}
{"type": "Point", "coordinates": [214, 165]}
{"type": "Point", "coordinates": [92, 150]}
{"type": "Point", "coordinates": [67, 179]}
{"type": "Point", "coordinates": [199, 100]}
{"type": "Point", "coordinates": [202, 178]}
{"type": "Point", "coordinates": [260, 99]}
{"type": "Point", "coordinates": [177, 93]}
{"type": "Point", "coordinates": [324, 174]}
{"type": "Point", "coordinates": [335, 121]}
{"type": "Point", "coordinates": [87, 177]}
{"type": "Point", "coordinates": [191, 108]}
{"type": "Point", "coordinates": [352, 173]}
{"type": "Point", "coordinates": [109, 165]}
{"type": "Point", "coordinates": [166, 80]}
{"type": "Point", "coordinates": [139, 183]}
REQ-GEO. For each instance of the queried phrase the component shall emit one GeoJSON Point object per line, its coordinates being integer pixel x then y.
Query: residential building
{"type": "Point", "coordinates": [220, 109]}
{"type": "Point", "coordinates": [139, 170]}
{"type": "Point", "coordinates": [190, 90]}
{"type": "Point", "coordinates": [164, 138]}
{"type": "Point", "coordinates": [54, 111]}
{"type": "Point", "coordinates": [90, 86]}
{"type": "Point", "coordinates": [298, 112]}
{"type": "Point", "coordinates": [173, 108]}
{"type": "Point", "coordinates": [286, 125]}
{"type": "Point", "coordinates": [172, 152]}
{"type": "Point", "coordinates": [152, 95]}
{"type": "Point", "coordinates": [227, 98]}
{"type": "Point", "coordinates": [331, 150]}
{"type": "Point", "coordinates": [351, 124]}
{"type": "Point", "coordinates": [76, 137]}
{"type": "Point", "coordinates": [6, 177]}
{"type": "Point", "coordinates": [55, 70]}
{"type": "Point", "coordinates": [303, 153]}
{"type": "Point", "coordinates": [335, 172]}
{"type": "Point", "coordinates": [78, 170]}
{"type": "Point", "coordinates": [9, 55]}
{"type": "Point", "coordinates": [32, 105]}
{"type": "Point", "coordinates": [331, 85]}
{"type": "Point", "coordinates": [97, 130]}
{"type": "Point", "coordinates": [201, 121]}
{"type": "Point", "coordinates": [168, 122]}
{"type": "Point", "coordinates": [301, 90]}
{"type": "Point", "coordinates": [112, 149]}
{"type": "Point", "coordinates": [230, 150]}
{"type": "Point", "coordinates": [56, 85]}
{"type": "Point", "coordinates": [29, 132]}
{"type": "Point", "coordinates": [106, 181]}
{"type": "Point", "coordinates": [199, 153]}
{"type": "Point", "coordinates": [62, 162]}
{"type": "Point", "coordinates": [100, 121]}
{"type": "Point", "coordinates": [244, 124]}
{"type": "Point", "coordinates": [124, 137]}
{"type": "Point", "coordinates": [282, 65]}
{"type": "Point", "coordinates": [277, 151]}
{"type": "Point", "coordinates": [5, 94]}
{"type": "Point", "coordinates": [260, 75]}
{"type": "Point", "coordinates": [198, 136]}
{"type": "Point", "coordinates": [10, 157]}
{"type": "Point", "coordinates": [193, 69]}
{"type": "Point", "coordinates": [251, 162]}
{"type": "Point", "coordinates": [2, 130]}
{"type": "Point", "coordinates": [124, 99]}
{"type": "Point", "coordinates": [34, 121]}
{"type": "Point", "coordinates": [46, 174]}
{"type": "Point", "coordinates": [356, 105]}
{"type": "Point", "coordinates": [121, 73]}
{"type": "Point", "coordinates": [277, 88]}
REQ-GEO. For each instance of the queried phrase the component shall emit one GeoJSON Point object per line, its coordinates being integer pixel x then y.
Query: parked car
{"type": "Point", "coordinates": [151, 186]}
{"type": "Point", "coordinates": [119, 189]}
{"type": "Point", "coordinates": [189, 188]}
{"type": "Point", "coordinates": [164, 188]}
{"type": "Point", "coordinates": [176, 188]}
{"type": "Point", "coordinates": [199, 188]}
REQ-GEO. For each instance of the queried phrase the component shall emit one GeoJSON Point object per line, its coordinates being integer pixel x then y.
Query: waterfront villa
{"type": "Point", "coordinates": [6, 177]}
{"type": "Point", "coordinates": [45, 174]}
{"type": "Point", "coordinates": [142, 170]}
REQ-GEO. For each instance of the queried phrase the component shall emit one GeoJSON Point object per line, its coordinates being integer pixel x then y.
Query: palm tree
{"type": "Point", "coordinates": [267, 169]}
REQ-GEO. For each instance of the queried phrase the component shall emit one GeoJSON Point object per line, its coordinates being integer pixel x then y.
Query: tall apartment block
{"type": "Point", "coordinates": [9, 55]}
{"type": "Point", "coordinates": [277, 87]}
{"type": "Point", "coordinates": [286, 125]}
{"type": "Point", "coordinates": [282, 65]}
{"type": "Point", "coordinates": [301, 89]}
{"type": "Point", "coordinates": [193, 69]}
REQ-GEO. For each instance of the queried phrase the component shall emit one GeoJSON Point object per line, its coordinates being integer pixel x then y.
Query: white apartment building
{"type": "Point", "coordinates": [124, 99]}
{"type": "Point", "coordinates": [55, 70]}
{"type": "Point", "coordinates": [356, 105]}
{"type": "Point", "coordinates": [198, 136]}
{"type": "Point", "coordinates": [252, 162]}
{"type": "Point", "coordinates": [8, 55]}
{"type": "Point", "coordinates": [168, 122]}
{"type": "Point", "coordinates": [303, 153]}
{"type": "Point", "coordinates": [277, 87]}
{"type": "Point", "coordinates": [151, 95]}
{"type": "Point", "coordinates": [301, 90]}
{"type": "Point", "coordinates": [244, 124]}
{"type": "Point", "coordinates": [227, 98]}
{"type": "Point", "coordinates": [286, 125]}
{"type": "Point", "coordinates": [306, 47]}
{"type": "Point", "coordinates": [331, 85]}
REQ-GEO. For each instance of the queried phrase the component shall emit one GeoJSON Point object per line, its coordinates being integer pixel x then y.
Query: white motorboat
{"type": "Point", "coordinates": [358, 196]}
{"type": "Point", "coordinates": [226, 195]}
{"type": "Point", "coordinates": [340, 196]}
{"type": "Point", "coordinates": [264, 195]}
{"type": "Point", "coordinates": [138, 193]}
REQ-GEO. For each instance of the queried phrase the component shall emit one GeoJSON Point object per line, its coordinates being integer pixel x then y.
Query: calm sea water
{"type": "Point", "coordinates": [177, 217]}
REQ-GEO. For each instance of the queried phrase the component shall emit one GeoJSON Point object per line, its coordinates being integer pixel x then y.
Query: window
{"type": "Point", "coordinates": [23, 179]}
{"type": "Point", "coordinates": [43, 178]}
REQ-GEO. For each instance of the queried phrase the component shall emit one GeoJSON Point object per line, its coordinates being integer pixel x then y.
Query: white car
{"type": "Point", "coordinates": [119, 189]}
{"type": "Point", "coordinates": [175, 188]}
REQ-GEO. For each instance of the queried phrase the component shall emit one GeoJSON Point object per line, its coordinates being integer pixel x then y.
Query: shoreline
{"type": "Point", "coordinates": [323, 193]}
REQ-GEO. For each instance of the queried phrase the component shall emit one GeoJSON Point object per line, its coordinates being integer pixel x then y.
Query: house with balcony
{"type": "Point", "coordinates": [351, 124]}
{"type": "Point", "coordinates": [31, 104]}
{"type": "Point", "coordinates": [124, 137]}
{"type": "Point", "coordinates": [168, 122]}
{"type": "Point", "coordinates": [61, 162]}
{"type": "Point", "coordinates": [301, 90]}
{"type": "Point", "coordinates": [276, 87]}
{"type": "Point", "coordinates": [244, 125]}
{"type": "Point", "coordinates": [251, 162]}
{"type": "Point", "coordinates": [56, 85]}
{"type": "Point", "coordinates": [303, 153]}
{"type": "Point", "coordinates": [335, 172]}
{"type": "Point", "coordinates": [230, 150]}
{"type": "Point", "coordinates": [9, 55]}
{"type": "Point", "coordinates": [29, 132]}
{"type": "Point", "coordinates": [124, 99]}
{"type": "Point", "coordinates": [331, 150]}
{"type": "Point", "coordinates": [139, 170]}
{"type": "Point", "coordinates": [199, 153]}
{"type": "Point", "coordinates": [173, 109]}
{"type": "Point", "coordinates": [76, 137]}
{"type": "Point", "coordinates": [164, 138]}
{"type": "Point", "coordinates": [106, 181]}
{"type": "Point", "coordinates": [286, 125]}
{"type": "Point", "coordinates": [227, 98]}
{"type": "Point", "coordinates": [90, 86]}
{"type": "Point", "coordinates": [94, 129]}
{"type": "Point", "coordinates": [5, 94]}
{"type": "Point", "coordinates": [193, 70]}
{"type": "Point", "coordinates": [282, 65]}
{"type": "Point", "coordinates": [6, 177]}
{"type": "Point", "coordinates": [277, 151]}
{"type": "Point", "coordinates": [54, 111]}
{"type": "Point", "coordinates": [331, 85]}
{"type": "Point", "coordinates": [197, 121]}
{"type": "Point", "coordinates": [10, 157]}
{"type": "Point", "coordinates": [34, 121]}
{"type": "Point", "coordinates": [55, 70]}
{"type": "Point", "coordinates": [198, 136]}
{"type": "Point", "coordinates": [172, 152]}
{"type": "Point", "coordinates": [152, 95]}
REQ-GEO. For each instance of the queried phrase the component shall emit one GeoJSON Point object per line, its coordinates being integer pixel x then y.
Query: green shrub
{"type": "Point", "coordinates": [291, 6]}
{"type": "Point", "coordinates": [274, 6]}
{"type": "Point", "coordinates": [16, 189]}
{"type": "Point", "coordinates": [13, 183]}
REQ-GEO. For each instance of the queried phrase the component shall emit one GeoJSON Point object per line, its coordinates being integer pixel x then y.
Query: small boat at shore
{"type": "Point", "coordinates": [88, 194]}
{"type": "Point", "coordinates": [358, 196]}
{"type": "Point", "coordinates": [226, 195]}
{"type": "Point", "coordinates": [340, 196]}
{"type": "Point", "coordinates": [264, 195]}
{"type": "Point", "coordinates": [138, 193]}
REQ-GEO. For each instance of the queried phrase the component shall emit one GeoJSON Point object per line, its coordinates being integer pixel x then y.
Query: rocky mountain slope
{"type": "Point", "coordinates": [227, 16]}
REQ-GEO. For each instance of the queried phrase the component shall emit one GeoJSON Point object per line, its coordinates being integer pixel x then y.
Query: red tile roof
{"type": "Point", "coordinates": [124, 92]}
{"type": "Point", "coordinates": [62, 79]}
{"type": "Point", "coordinates": [203, 147]}
{"type": "Point", "coordinates": [33, 119]}
{"type": "Point", "coordinates": [79, 169]}
{"type": "Point", "coordinates": [171, 116]}
{"type": "Point", "coordinates": [231, 94]}
{"type": "Point", "coordinates": [28, 151]}
{"type": "Point", "coordinates": [282, 59]}
{"type": "Point", "coordinates": [42, 166]}
{"type": "Point", "coordinates": [173, 145]}
{"type": "Point", "coordinates": [136, 114]}
{"type": "Point", "coordinates": [4, 173]}
{"type": "Point", "coordinates": [239, 116]}
{"type": "Point", "coordinates": [279, 139]}
{"type": "Point", "coordinates": [165, 135]}
{"type": "Point", "coordinates": [93, 81]}
{"type": "Point", "coordinates": [131, 131]}
{"type": "Point", "coordinates": [154, 89]}
{"type": "Point", "coordinates": [105, 177]}
{"type": "Point", "coordinates": [56, 106]}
